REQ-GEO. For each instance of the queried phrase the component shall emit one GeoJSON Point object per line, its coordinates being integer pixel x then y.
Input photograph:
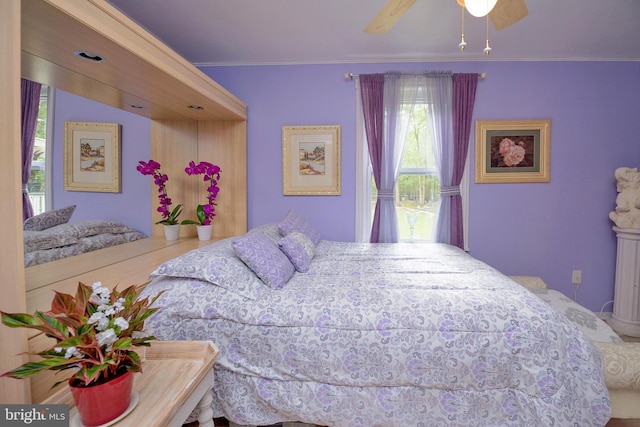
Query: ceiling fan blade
{"type": "Point", "coordinates": [508, 12]}
{"type": "Point", "coordinates": [388, 16]}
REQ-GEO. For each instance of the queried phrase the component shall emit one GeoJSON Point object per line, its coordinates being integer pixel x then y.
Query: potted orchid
{"type": "Point", "coordinates": [169, 218]}
{"type": "Point", "coordinates": [207, 212]}
{"type": "Point", "coordinates": [95, 332]}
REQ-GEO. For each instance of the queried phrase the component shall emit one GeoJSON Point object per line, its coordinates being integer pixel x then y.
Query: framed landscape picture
{"type": "Point", "coordinates": [512, 151]}
{"type": "Point", "coordinates": [311, 160]}
{"type": "Point", "coordinates": [92, 157]}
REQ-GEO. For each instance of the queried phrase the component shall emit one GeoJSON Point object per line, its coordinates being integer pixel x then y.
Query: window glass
{"type": "Point", "coordinates": [417, 191]}
{"type": "Point", "coordinates": [37, 178]}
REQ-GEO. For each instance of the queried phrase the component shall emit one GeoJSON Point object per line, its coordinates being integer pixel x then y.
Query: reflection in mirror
{"type": "Point", "coordinates": [40, 174]}
{"type": "Point", "coordinates": [100, 219]}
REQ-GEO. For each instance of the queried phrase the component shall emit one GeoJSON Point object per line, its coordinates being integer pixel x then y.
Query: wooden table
{"type": "Point", "coordinates": [177, 376]}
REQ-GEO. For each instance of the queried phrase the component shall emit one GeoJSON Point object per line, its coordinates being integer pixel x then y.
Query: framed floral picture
{"type": "Point", "coordinates": [311, 160]}
{"type": "Point", "coordinates": [92, 157]}
{"type": "Point", "coordinates": [512, 151]}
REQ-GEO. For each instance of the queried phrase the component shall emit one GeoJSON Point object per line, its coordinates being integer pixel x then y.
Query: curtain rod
{"type": "Point", "coordinates": [350, 76]}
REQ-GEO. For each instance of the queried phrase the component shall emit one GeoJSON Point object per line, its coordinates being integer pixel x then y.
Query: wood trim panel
{"type": "Point", "coordinates": [174, 144]}
{"type": "Point", "coordinates": [11, 250]}
{"type": "Point", "coordinates": [133, 269]}
{"type": "Point", "coordinates": [220, 142]}
{"type": "Point", "coordinates": [43, 275]}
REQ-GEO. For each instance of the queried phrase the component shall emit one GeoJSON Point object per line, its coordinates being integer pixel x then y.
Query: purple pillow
{"type": "Point", "coordinates": [299, 248]}
{"type": "Point", "coordinates": [264, 257]}
{"type": "Point", "coordinates": [269, 230]}
{"type": "Point", "coordinates": [294, 222]}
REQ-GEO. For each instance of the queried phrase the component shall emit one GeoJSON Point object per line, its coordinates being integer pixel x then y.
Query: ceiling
{"type": "Point", "coordinates": [260, 32]}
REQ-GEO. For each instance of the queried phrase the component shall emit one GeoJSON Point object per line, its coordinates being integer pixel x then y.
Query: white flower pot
{"type": "Point", "coordinates": [204, 231]}
{"type": "Point", "coordinates": [171, 232]}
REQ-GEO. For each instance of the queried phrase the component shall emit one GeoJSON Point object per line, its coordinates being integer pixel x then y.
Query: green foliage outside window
{"type": "Point", "coordinates": [418, 187]}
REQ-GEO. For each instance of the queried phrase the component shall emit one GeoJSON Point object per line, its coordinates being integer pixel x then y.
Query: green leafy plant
{"type": "Point", "coordinates": [202, 217]}
{"type": "Point", "coordinates": [95, 331]}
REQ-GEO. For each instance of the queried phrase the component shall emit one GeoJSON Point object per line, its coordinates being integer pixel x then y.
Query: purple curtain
{"type": "Point", "coordinates": [464, 95]}
{"type": "Point", "coordinates": [30, 106]}
{"type": "Point", "coordinates": [372, 89]}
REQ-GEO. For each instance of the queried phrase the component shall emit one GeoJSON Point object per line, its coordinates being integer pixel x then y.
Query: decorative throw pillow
{"type": "Point", "coordinates": [217, 264]}
{"type": "Point", "coordinates": [299, 248]}
{"type": "Point", "coordinates": [530, 282]}
{"type": "Point", "coordinates": [294, 222]}
{"type": "Point", "coordinates": [91, 227]}
{"type": "Point", "coordinates": [42, 240]}
{"type": "Point", "coordinates": [49, 219]}
{"type": "Point", "coordinates": [270, 230]}
{"type": "Point", "coordinates": [264, 258]}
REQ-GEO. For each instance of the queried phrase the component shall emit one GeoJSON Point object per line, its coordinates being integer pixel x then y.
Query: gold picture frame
{"type": "Point", "coordinates": [512, 151]}
{"type": "Point", "coordinates": [311, 160]}
{"type": "Point", "coordinates": [92, 157]}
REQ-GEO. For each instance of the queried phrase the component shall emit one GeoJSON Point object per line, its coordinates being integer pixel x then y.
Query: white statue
{"type": "Point", "coordinates": [627, 213]}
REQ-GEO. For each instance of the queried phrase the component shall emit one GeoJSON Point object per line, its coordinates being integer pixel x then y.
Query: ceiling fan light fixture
{"type": "Point", "coordinates": [462, 43]}
{"type": "Point", "coordinates": [480, 8]}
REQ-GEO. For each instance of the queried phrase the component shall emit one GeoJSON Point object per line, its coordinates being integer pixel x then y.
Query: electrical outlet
{"type": "Point", "coordinates": [576, 277]}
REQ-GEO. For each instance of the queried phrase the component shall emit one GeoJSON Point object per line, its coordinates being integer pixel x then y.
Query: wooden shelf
{"type": "Point", "coordinates": [138, 68]}
{"type": "Point", "coordinates": [123, 265]}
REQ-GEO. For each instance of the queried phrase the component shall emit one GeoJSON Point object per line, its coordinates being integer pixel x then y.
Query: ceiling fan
{"type": "Point", "coordinates": [504, 14]}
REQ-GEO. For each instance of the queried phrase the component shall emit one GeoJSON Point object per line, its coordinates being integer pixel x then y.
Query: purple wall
{"type": "Point", "coordinates": [131, 206]}
{"type": "Point", "coordinates": [545, 230]}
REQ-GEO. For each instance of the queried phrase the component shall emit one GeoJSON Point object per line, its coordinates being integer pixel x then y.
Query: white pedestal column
{"type": "Point", "coordinates": [626, 301]}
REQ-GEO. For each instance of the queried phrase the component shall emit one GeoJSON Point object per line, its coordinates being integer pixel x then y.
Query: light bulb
{"type": "Point", "coordinates": [462, 44]}
{"type": "Point", "coordinates": [479, 8]}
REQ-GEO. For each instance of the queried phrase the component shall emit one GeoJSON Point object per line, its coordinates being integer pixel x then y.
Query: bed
{"type": "Point", "coordinates": [50, 236]}
{"type": "Point", "coordinates": [374, 335]}
{"type": "Point", "coordinates": [621, 359]}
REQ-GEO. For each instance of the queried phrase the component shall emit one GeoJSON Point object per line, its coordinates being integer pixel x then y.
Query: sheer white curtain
{"type": "Point", "coordinates": [400, 92]}
{"type": "Point", "coordinates": [438, 96]}
{"type": "Point", "coordinates": [400, 95]}
{"type": "Point", "coordinates": [363, 175]}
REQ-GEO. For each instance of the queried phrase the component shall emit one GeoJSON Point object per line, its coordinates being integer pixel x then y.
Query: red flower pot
{"type": "Point", "coordinates": [102, 403]}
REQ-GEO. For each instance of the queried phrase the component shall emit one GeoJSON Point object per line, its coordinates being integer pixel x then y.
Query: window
{"type": "Point", "coordinates": [38, 181]}
{"type": "Point", "coordinates": [428, 125]}
{"type": "Point", "coordinates": [417, 191]}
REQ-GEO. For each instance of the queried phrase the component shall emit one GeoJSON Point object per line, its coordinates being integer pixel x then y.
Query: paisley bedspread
{"type": "Point", "coordinates": [381, 335]}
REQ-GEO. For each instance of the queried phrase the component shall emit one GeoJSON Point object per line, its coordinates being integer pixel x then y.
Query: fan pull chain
{"type": "Point", "coordinates": [487, 48]}
{"type": "Point", "coordinates": [462, 44]}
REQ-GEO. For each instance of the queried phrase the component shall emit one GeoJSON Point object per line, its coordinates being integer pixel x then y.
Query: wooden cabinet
{"type": "Point", "coordinates": [39, 39]}
{"type": "Point", "coordinates": [626, 301]}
